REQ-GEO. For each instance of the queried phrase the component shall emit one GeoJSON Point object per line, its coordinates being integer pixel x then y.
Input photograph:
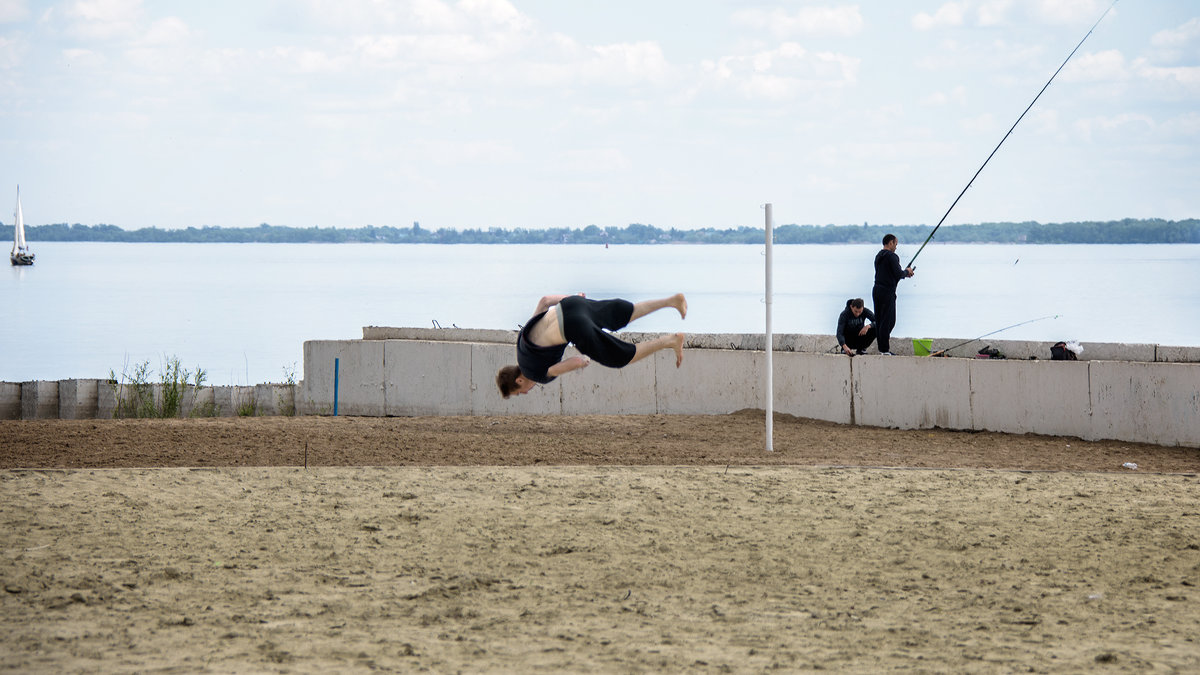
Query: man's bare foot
{"type": "Point", "coordinates": [680, 303]}
{"type": "Point", "coordinates": [678, 347]}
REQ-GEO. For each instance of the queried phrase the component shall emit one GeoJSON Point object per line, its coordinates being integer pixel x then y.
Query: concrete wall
{"type": "Point", "coordinates": [1144, 402]}
{"type": "Point", "coordinates": [1153, 396]}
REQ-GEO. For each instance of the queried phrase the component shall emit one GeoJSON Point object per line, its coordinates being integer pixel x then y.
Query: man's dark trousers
{"type": "Point", "coordinates": [884, 300]}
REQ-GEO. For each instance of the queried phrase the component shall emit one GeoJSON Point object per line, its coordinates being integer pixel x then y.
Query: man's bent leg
{"type": "Point", "coordinates": [645, 349]}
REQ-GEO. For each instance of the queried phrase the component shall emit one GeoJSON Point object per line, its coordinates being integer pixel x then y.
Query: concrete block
{"type": "Point", "coordinates": [808, 343]}
{"type": "Point", "coordinates": [485, 399]}
{"type": "Point", "coordinates": [39, 400]}
{"type": "Point", "coordinates": [1146, 402]}
{"type": "Point", "coordinates": [199, 402]}
{"type": "Point", "coordinates": [816, 386]}
{"type": "Point", "coordinates": [360, 377]}
{"type": "Point", "coordinates": [598, 390]}
{"type": "Point", "coordinates": [911, 392]}
{"type": "Point", "coordinates": [106, 400]}
{"type": "Point", "coordinates": [1031, 397]}
{"type": "Point", "coordinates": [274, 399]}
{"type": "Point", "coordinates": [440, 334]}
{"type": "Point", "coordinates": [235, 401]}
{"type": "Point", "coordinates": [10, 400]}
{"type": "Point", "coordinates": [223, 402]}
{"type": "Point", "coordinates": [78, 399]}
{"type": "Point", "coordinates": [1166, 354]}
{"type": "Point", "coordinates": [426, 378]}
{"type": "Point", "coordinates": [710, 381]}
{"type": "Point", "coordinates": [1114, 351]}
{"type": "Point", "coordinates": [245, 401]}
{"type": "Point", "coordinates": [696, 340]}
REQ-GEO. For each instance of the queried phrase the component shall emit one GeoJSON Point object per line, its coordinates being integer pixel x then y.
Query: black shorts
{"type": "Point", "coordinates": [585, 325]}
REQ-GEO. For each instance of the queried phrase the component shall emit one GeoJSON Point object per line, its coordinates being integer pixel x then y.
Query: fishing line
{"type": "Point", "coordinates": [941, 352]}
{"type": "Point", "coordinates": [1014, 126]}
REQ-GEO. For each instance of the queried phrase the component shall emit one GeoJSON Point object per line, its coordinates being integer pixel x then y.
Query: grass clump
{"type": "Point", "coordinates": [136, 396]}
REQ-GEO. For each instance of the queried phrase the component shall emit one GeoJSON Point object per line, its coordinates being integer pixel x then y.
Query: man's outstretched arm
{"type": "Point", "coordinates": [567, 365]}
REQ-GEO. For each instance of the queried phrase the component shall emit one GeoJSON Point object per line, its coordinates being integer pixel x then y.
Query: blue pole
{"type": "Point", "coordinates": [335, 386]}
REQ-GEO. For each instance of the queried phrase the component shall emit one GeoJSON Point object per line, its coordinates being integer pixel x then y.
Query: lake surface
{"type": "Point", "coordinates": [242, 312]}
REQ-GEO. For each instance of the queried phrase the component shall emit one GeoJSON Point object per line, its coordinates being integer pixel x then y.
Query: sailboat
{"type": "Point", "coordinates": [20, 251]}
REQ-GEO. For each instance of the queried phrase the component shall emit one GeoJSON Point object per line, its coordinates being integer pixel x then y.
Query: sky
{"type": "Point", "coordinates": [568, 113]}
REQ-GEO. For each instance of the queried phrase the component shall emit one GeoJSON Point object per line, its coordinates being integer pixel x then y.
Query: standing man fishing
{"type": "Point", "coordinates": [888, 274]}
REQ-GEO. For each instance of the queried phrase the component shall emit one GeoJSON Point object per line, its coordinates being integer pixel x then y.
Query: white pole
{"type": "Point", "coordinates": [770, 389]}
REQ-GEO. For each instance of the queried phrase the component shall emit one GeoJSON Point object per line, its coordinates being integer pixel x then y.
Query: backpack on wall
{"type": "Point", "coordinates": [1060, 352]}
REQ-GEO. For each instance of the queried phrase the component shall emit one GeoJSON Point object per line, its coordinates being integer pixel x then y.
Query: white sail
{"type": "Point", "coordinates": [18, 227]}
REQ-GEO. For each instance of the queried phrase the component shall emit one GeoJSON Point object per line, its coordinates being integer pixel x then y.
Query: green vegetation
{"type": "Point", "coordinates": [179, 392]}
{"type": "Point", "coordinates": [137, 396]}
{"type": "Point", "coordinates": [285, 405]}
{"type": "Point", "coordinates": [248, 407]}
{"type": "Point", "coordinates": [1128, 231]}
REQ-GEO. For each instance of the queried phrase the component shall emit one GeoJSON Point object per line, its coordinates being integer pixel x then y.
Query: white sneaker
{"type": "Point", "coordinates": [886, 354]}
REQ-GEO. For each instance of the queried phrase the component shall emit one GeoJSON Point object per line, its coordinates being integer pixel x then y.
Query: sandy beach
{"type": "Point", "coordinates": [631, 544]}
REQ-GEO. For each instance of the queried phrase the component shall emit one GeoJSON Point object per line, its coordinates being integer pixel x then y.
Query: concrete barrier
{"type": "Point", "coordinates": [816, 386]}
{"type": "Point", "coordinates": [39, 400]}
{"type": "Point", "coordinates": [711, 381]}
{"type": "Point", "coordinates": [423, 376]}
{"type": "Point", "coordinates": [10, 401]}
{"type": "Point", "coordinates": [911, 392]}
{"type": "Point", "coordinates": [360, 378]}
{"type": "Point", "coordinates": [1146, 402]}
{"type": "Point", "coordinates": [426, 378]}
{"type": "Point", "coordinates": [1030, 397]}
{"type": "Point", "coordinates": [414, 371]}
{"type": "Point", "coordinates": [484, 397]}
{"type": "Point", "coordinates": [78, 399]}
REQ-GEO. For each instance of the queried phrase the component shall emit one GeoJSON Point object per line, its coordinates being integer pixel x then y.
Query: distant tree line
{"type": "Point", "coordinates": [1128, 231]}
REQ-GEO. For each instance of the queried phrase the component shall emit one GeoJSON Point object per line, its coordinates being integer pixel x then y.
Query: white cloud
{"type": "Point", "coordinates": [595, 160]}
{"type": "Point", "coordinates": [785, 72]}
{"type": "Point", "coordinates": [83, 58]}
{"type": "Point", "coordinates": [1069, 12]}
{"type": "Point", "coordinates": [1125, 126]}
{"type": "Point", "coordinates": [12, 11]}
{"type": "Point", "coordinates": [170, 31]}
{"type": "Point", "coordinates": [104, 19]}
{"type": "Point", "coordinates": [845, 21]}
{"type": "Point", "coordinates": [994, 12]}
{"type": "Point", "coordinates": [1185, 125]}
{"type": "Point", "coordinates": [1187, 77]}
{"type": "Point", "coordinates": [1177, 44]}
{"type": "Point", "coordinates": [958, 96]}
{"type": "Point", "coordinates": [626, 64]}
{"type": "Point", "coordinates": [11, 53]}
{"type": "Point", "coordinates": [451, 153]}
{"type": "Point", "coordinates": [1174, 38]}
{"type": "Point", "coordinates": [951, 14]}
{"type": "Point", "coordinates": [1106, 66]}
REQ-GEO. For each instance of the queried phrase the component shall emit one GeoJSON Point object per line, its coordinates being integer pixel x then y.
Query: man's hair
{"type": "Point", "coordinates": [506, 379]}
{"type": "Point", "coordinates": [888, 238]}
{"type": "Point", "coordinates": [854, 302]}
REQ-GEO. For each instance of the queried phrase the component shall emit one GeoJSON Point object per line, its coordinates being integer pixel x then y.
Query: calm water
{"type": "Point", "coordinates": [243, 311]}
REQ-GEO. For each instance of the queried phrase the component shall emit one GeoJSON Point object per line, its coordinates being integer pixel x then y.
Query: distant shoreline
{"type": "Point", "coordinates": [1127, 231]}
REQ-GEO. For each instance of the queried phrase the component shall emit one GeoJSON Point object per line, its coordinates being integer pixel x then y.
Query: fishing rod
{"type": "Point", "coordinates": [1014, 126]}
{"type": "Point", "coordinates": [941, 352]}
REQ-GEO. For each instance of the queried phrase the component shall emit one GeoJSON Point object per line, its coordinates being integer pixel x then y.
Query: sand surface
{"type": "Point", "coordinates": [597, 544]}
